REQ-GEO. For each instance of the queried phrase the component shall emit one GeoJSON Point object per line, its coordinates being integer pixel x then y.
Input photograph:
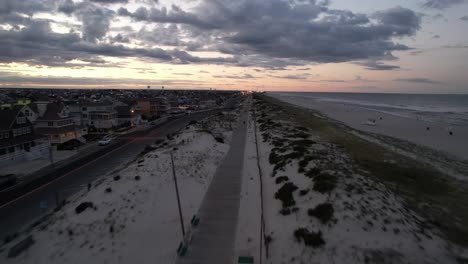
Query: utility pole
{"type": "Point", "coordinates": [178, 198]}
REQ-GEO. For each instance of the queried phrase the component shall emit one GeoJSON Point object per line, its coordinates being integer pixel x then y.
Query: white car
{"type": "Point", "coordinates": [105, 140]}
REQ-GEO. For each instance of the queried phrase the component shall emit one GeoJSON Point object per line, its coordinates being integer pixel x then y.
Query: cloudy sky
{"type": "Point", "coordinates": [416, 46]}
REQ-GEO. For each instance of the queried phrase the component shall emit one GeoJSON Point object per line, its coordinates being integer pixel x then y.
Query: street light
{"type": "Point", "coordinates": [178, 198]}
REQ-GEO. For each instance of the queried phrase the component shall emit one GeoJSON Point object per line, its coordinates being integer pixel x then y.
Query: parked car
{"type": "Point", "coordinates": [105, 140]}
{"type": "Point", "coordinates": [7, 181]}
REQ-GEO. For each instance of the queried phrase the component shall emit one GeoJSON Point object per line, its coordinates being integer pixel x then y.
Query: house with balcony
{"type": "Point", "coordinates": [58, 126]}
{"type": "Point", "coordinates": [18, 140]}
{"type": "Point", "coordinates": [100, 115]}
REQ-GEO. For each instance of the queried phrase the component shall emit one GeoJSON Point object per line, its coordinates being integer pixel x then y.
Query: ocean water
{"type": "Point", "coordinates": [448, 108]}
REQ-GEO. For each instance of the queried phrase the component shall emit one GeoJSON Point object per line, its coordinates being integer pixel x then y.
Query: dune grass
{"type": "Point", "coordinates": [439, 198]}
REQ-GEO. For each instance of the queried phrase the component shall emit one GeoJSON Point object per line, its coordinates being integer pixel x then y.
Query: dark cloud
{"type": "Point", "coordinates": [399, 21]}
{"type": "Point", "coordinates": [273, 34]}
{"type": "Point", "coordinates": [292, 76]}
{"type": "Point", "coordinates": [417, 80]}
{"type": "Point", "coordinates": [38, 44]}
{"type": "Point", "coordinates": [245, 76]}
{"type": "Point", "coordinates": [67, 7]}
{"type": "Point", "coordinates": [28, 7]}
{"type": "Point", "coordinates": [334, 81]}
{"type": "Point", "coordinates": [442, 4]}
{"type": "Point", "coordinates": [378, 66]}
{"type": "Point", "coordinates": [290, 31]}
{"type": "Point", "coordinates": [436, 37]}
{"type": "Point", "coordinates": [95, 21]}
{"type": "Point", "coordinates": [162, 15]}
{"type": "Point", "coordinates": [464, 18]}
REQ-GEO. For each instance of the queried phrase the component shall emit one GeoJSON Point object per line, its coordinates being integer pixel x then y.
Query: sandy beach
{"type": "Point", "coordinates": [413, 130]}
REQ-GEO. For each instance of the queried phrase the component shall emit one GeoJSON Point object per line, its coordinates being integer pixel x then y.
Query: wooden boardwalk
{"type": "Point", "coordinates": [213, 240]}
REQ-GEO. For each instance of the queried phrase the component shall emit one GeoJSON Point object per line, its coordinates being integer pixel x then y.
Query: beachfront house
{"type": "Point", "coordinates": [58, 126]}
{"type": "Point", "coordinates": [100, 115]}
{"type": "Point", "coordinates": [18, 140]}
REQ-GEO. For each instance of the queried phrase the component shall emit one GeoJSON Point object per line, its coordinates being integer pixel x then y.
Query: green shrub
{"type": "Point", "coordinates": [324, 183]}
{"type": "Point", "coordinates": [83, 206]}
{"type": "Point", "coordinates": [304, 162]}
{"type": "Point", "coordinates": [285, 194]}
{"type": "Point", "coordinates": [277, 142]}
{"type": "Point", "coordinates": [281, 179]}
{"type": "Point", "coordinates": [266, 136]}
{"type": "Point", "coordinates": [303, 142]}
{"type": "Point", "coordinates": [324, 212]}
{"type": "Point", "coordinates": [219, 139]}
{"type": "Point", "coordinates": [311, 173]}
{"type": "Point", "coordinates": [312, 239]}
{"type": "Point", "coordinates": [303, 192]}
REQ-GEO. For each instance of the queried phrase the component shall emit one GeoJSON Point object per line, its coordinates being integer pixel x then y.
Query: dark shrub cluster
{"type": "Point", "coordinates": [266, 136]}
{"type": "Point", "coordinates": [324, 212]}
{"type": "Point", "coordinates": [304, 162]}
{"type": "Point", "coordinates": [83, 206]}
{"type": "Point", "coordinates": [311, 173]}
{"type": "Point", "coordinates": [303, 192]}
{"type": "Point", "coordinates": [281, 179]}
{"type": "Point", "coordinates": [274, 158]}
{"type": "Point", "coordinates": [277, 142]}
{"type": "Point", "coordinates": [324, 183]}
{"type": "Point", "coordinates": [299, 134]}
{"type": "Point", "coordinates": [285, 211]}
{"type": "Point", "coordinates": [285, 194]}
{"type": "Point", "coordinates": [219, 139]}
{"type": "Point", "coordinates": [312, 239]}
{"type": "Point", "coordinates": [158, 141]}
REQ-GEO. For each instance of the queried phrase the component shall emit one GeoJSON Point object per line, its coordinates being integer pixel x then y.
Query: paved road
{"type": "Point", "coordinates": [20, 213]}
{"type": "Point", "coordinates": [214, 239]}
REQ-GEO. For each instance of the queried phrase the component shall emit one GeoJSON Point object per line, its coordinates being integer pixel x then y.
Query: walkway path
{"type": "Point", "coordinates": [214, 239]}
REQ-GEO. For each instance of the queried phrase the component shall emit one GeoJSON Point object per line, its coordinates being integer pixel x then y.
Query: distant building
{"type": "Point", "coordinates": [127, 115]}
{"type": "Point", "coordinates": [18, 140]}
{"type": "Point", "coordinates": [153, 107]}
